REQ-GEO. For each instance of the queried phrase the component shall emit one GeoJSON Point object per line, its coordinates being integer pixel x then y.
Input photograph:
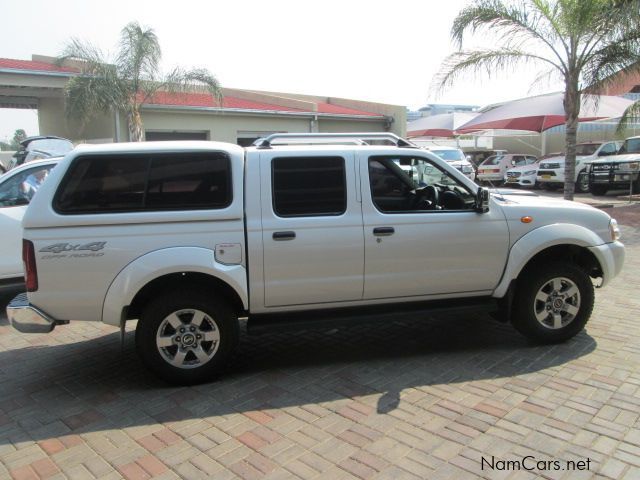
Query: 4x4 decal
{"type": "Point", "coordinates": [67, 247]}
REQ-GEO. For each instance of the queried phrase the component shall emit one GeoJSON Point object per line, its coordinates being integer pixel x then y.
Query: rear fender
{"type": "Point", "coordinates": [162, 262]}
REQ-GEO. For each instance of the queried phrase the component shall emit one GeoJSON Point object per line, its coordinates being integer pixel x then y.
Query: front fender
{"type": "Point", "coordinates": [162, 262]}
{"type": "Point", "coordinates": [529, 245]}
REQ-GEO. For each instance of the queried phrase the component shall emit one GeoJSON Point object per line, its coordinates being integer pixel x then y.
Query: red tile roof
{"type": "Point", "coordinates": [338, 110]}
{"type": "Point", "coordinates": [195, 99]}
{"type": "Point", "coordinates": [34, 66]}
{"type": "Point", "coordinates": [205, 100]}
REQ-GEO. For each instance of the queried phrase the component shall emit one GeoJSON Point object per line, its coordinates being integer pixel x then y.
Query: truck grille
{"type": "Point", "coordinates": [550, 165]}
{"type": "Point", "coordinates": [603, 167]}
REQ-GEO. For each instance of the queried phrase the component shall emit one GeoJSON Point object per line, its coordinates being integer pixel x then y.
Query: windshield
{"type": "Point", "coordinates": [631, 145]}
{"type": "Point", "coordinates": [586, 148]}
{"type": "Point", "coordinates": [50, 147]}
{"type": "Point", "coordinates": [450, 155]}
{"type": "Point", "coordinates": [495, 160]}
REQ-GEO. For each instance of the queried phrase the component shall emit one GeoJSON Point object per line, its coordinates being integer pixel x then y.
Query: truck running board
{"type": "Point", "coordinates": [345, 317]}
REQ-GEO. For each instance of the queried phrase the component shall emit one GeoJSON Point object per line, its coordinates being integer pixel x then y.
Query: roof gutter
{"type": "Point", "coordinates": [244, 111]}
{"type": "Point", "coordinates": [38, 72]}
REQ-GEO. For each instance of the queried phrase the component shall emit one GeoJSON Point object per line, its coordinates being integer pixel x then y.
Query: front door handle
{"type": "Point", "coordinates": [284, 235]}
{"type": "Point", "coordinates": [383, 231]}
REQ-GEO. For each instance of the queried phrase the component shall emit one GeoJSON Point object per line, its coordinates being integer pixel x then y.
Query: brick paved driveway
{"type": "Point", "coordinates": [421, 400]}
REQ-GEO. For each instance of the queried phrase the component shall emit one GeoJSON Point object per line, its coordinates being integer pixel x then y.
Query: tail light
{"type": "Point", "coordinates": [30, 270]}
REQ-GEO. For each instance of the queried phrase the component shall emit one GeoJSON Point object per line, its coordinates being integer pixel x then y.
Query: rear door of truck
{"type": "Point", "coordinates": [312, 236]}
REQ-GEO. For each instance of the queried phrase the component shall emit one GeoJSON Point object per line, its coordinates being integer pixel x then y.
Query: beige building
{"type": "Point", "coordinates": [243, 116]}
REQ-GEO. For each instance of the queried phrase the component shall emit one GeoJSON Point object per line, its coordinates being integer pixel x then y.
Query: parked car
{"type": "Point", "coordinates": [476, 157]}
{"type": "Point", "coordinates": [39, 147]}
{"type": "Point", "coordinates": [551, 171]}
{"type": "Point", "coordinates": [620, 171]}
{"type": "Point", "coordinates": [456, 158]}
{"type": "Point", "coordinates": [187, 237]}
{"type": "Point", "coordinates": [17, 188]}
{"type": "Point", "coordinates": [494, 168]}
{"type": "Point", "coordinates": [524, 175]}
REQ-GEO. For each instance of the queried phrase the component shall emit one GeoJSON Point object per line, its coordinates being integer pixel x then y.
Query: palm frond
{"type": "Point", "coordinates": [180, 80]}
{"type": "Point", "coordinates": [515, 24]}
{"type": "Point", "coordinates": [545, 78]}
{"type": "Point", "coordinates": [90, 57]}
{"type": "Point", "coordinates": [139, 54]}
{"type": "Point", "coordinates": [484, 61]}
{"type": "Point", "coordinates": [607, 63]}
{"type": "Point", "coordinates": [631, 114]}
{"type": "Point", "coordinates": [88, 95]}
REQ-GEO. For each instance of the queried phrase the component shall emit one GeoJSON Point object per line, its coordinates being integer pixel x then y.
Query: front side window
{"type": "Point", "coordinates": [21, 187]}
{"type": "Point", "coordinates": [130, 183]}
{"type": "Point", "coordinates": [309, 186]}
{"type": "Point", "coordinates": [608, 149]}
{"type": "Point", "coordinates": [494, 160]}
{"type": "Point", "coordinates": [409, 185]}
{"type": "Point", "coordinates": [450, 155]}
{"type": "Point", "coordinates": [586, 149]}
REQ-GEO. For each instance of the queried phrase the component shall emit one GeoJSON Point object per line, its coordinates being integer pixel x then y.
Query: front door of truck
{"type": "Point", "coordinates": [422, 236]}
{"type": "Point", "coordinates": [312, 227]}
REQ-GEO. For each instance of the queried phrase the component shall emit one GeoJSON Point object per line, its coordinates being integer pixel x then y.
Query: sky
{"type": "Point", "coordinates": [372, 50]}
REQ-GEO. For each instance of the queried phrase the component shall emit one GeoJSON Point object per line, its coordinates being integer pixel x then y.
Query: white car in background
{"type": "Point", "coordinates": [551, 171]}
{"type": "Point", "coordinates": [456, 158]}
{"type": "Point", "coordinates": [494, 168]}
{"type": "Point", "coordinates": [17, 188]}
{"type": "Point", "coordinates": [524, 175]}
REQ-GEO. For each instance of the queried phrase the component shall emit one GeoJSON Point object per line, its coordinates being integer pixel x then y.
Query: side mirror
{"type": "Point", "coordinates": [482, 200]}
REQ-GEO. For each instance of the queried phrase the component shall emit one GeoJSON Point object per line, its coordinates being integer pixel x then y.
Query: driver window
{"type": "Point", "coordinates": [409, 185]}
{"type": "Point", "coordinates": [20, 189]}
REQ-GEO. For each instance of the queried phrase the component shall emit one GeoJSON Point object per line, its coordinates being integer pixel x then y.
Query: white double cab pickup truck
{"type": "Point", "coordinates": [188, 237]}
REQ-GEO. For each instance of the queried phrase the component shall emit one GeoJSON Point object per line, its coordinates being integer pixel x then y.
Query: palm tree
{"type": "Point", "coordinates": [128, 81]}
{"type": "Point", "coordinates": [582, 42]}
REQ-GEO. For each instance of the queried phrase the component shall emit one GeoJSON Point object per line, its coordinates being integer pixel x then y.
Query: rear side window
{"type": "Point", "coordinates": [308, 186]}
{"type": "Point", "coordinates": [130, 183]}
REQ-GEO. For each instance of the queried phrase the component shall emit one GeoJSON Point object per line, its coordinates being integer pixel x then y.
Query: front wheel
{"type": "Point", "coordinates": [186, 337]}
{"type": "Point", "coordinates": [553, 303]}
{"type": "Point", "coordinates": [582, 184]}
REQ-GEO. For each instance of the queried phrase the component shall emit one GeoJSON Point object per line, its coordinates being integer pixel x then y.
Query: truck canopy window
{"type": "Point", "coordinates": [145, 182]}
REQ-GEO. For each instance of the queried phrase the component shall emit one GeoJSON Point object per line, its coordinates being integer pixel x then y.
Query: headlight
{"type": "Point", "coordinates": [467, 169]}
{"type": "Point", "coordinates": [530, 172]}
{"type": "Point", "coordinates": [614, 229]}
{"type": "Point", "coordinates": [629, 167]}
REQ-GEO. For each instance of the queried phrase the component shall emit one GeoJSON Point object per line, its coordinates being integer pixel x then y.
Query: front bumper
{"type": "Point", "coordinates": [611, 258]}
{"type": "Point", "coordinates": [26, 318]}
{"type": "Point", "coordinates": [528, 181]}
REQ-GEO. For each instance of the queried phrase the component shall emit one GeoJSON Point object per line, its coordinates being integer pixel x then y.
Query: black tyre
{"type": "Point", "coordinates": [582, 184]}
{"type": "Point", "coordinates": [553, 302]}
{"type": "Point", "coordinates": [598, 190]}
{"type": "Point", "coordinates": [186, 337]}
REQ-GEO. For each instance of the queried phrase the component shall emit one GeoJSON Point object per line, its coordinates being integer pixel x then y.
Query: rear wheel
{"type": "Point", "coordinates": [582, 184]}
{"type": "Point", "coordinates": [187, 336]}
{"type": "Point", "coordinates": [598, 190]}
{"type": "Point", "coordinates": [553, 303]}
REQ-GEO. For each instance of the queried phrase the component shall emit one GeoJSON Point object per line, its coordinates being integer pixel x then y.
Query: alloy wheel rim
{"type": "Point", "coordinates": [188, 338]}
{"type": "Point", "coordinates": [557, 303]}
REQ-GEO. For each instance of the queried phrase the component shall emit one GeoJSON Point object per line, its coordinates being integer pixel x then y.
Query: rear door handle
{"type": "Point", "coordinates": [383, 231]}
{"type": "Point", "coordinates": [284, 235]}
